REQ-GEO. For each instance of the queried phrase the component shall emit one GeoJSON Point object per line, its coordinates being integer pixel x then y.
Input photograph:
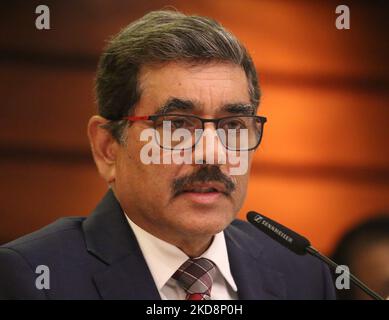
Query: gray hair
{"type": "Point", "coordinates": [157, 37]}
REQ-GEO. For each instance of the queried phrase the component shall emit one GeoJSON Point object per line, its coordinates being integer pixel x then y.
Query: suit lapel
{"type": "Point", "coordinates": [254, 278]}
{"type": "Point", "coordinates": [109, 237]}
{"type": "Point", "coordinates": [127, 279]}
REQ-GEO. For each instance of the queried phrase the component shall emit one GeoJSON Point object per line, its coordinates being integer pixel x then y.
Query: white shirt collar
{"type": "Point", "coordinates": [156, 250]}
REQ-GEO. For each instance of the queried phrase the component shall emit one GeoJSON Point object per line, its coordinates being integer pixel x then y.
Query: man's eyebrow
{"type": "Point", "coordinates": [239, 108]}
{"type": "Point", "coordinates": [176, 104]}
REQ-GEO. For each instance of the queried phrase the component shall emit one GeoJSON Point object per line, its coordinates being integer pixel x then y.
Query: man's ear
{"type": "Point", "coordinates": [104, 148]}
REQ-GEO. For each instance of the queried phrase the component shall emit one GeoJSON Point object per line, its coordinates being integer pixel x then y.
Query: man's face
{"type": "Point", "coordinates": [174, 201]}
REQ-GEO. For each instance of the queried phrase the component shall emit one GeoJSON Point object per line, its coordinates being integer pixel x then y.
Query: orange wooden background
{"type": "Point", "coordinates": [324, 162]}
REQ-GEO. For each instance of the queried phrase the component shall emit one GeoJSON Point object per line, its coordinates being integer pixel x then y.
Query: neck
{"type": "Point", "coordinates": [192, 245]}
{"type": "Point", "coordinates": [194, 250]}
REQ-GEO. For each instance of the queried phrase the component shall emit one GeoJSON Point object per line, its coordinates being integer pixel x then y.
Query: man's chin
{"type": "Point", "coordinates": [205, 220]}
{"type": "Point", "coordinates": [206, 229]}
{"type": "Point", "coordinates": [203, 213]}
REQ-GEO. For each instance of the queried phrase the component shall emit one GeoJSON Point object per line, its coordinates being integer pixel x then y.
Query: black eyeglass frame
{"type": "Point", "coordinates": [216, 121]}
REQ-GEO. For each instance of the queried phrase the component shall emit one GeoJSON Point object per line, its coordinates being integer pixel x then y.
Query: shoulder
{"type": "Point", "coordinates": [45, 244]}
{"type": "Point", "coordinates": [258, 243]}
{"type": "Point", "coordinates": [305, 272]}
{"type": "Point", "coordinates": [61, 230]}
{"type": "Point", "coordinates": [20, 258]}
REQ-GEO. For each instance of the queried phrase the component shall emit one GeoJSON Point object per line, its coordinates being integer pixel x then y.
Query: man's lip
{"type": "Point", "coordinates": [205, 188]}
{"type": "Point", "coordinates": [202, 198]}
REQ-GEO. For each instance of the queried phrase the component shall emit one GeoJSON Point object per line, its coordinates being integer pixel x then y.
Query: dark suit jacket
{"type": "Point", "coordinates": [99, 258]}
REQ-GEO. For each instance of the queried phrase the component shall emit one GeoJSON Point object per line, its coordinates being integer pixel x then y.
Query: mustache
{"type": "Point", "coordinates": [203, 175]}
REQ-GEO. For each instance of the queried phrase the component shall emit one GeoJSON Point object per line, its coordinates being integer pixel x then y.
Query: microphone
{"type": "Point", "coordinates": [299, 245]}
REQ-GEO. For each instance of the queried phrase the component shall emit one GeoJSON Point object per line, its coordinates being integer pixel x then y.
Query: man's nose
{"type": "Point", "coordinates": [209, 149]}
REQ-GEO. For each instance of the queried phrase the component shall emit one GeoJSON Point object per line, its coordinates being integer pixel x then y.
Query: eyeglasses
{"type": "Point", "coordinates": [236, 133]}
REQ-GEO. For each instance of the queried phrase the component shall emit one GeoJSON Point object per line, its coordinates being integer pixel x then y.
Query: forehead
{"type": "Point", "coordinates": [208, 85]}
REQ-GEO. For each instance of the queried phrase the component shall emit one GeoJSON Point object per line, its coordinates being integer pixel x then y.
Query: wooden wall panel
{"type": "Point", "coordinates": [45, 107]}
{"type": "Point", "coordinates": [78, 27]}
{"type": "Point", "coordinates": [299, 37]}
{"type": "Point", "coordinates": [325, 127]}
{"type": "Point", "coordinates": [34, 194]}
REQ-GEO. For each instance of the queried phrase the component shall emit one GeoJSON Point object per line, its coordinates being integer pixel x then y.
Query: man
{"type": "Point", "coordinates": [166, 229]}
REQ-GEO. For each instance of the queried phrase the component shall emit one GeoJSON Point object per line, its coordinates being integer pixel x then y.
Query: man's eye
{"type": "Point", "coordinates": [234, 124]}
{"type": "Point", "coordinates": [178, 123]}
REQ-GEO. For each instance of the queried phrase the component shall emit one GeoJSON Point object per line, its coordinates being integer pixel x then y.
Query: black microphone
{"type": "Point", "coordinates": [300, 245]}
